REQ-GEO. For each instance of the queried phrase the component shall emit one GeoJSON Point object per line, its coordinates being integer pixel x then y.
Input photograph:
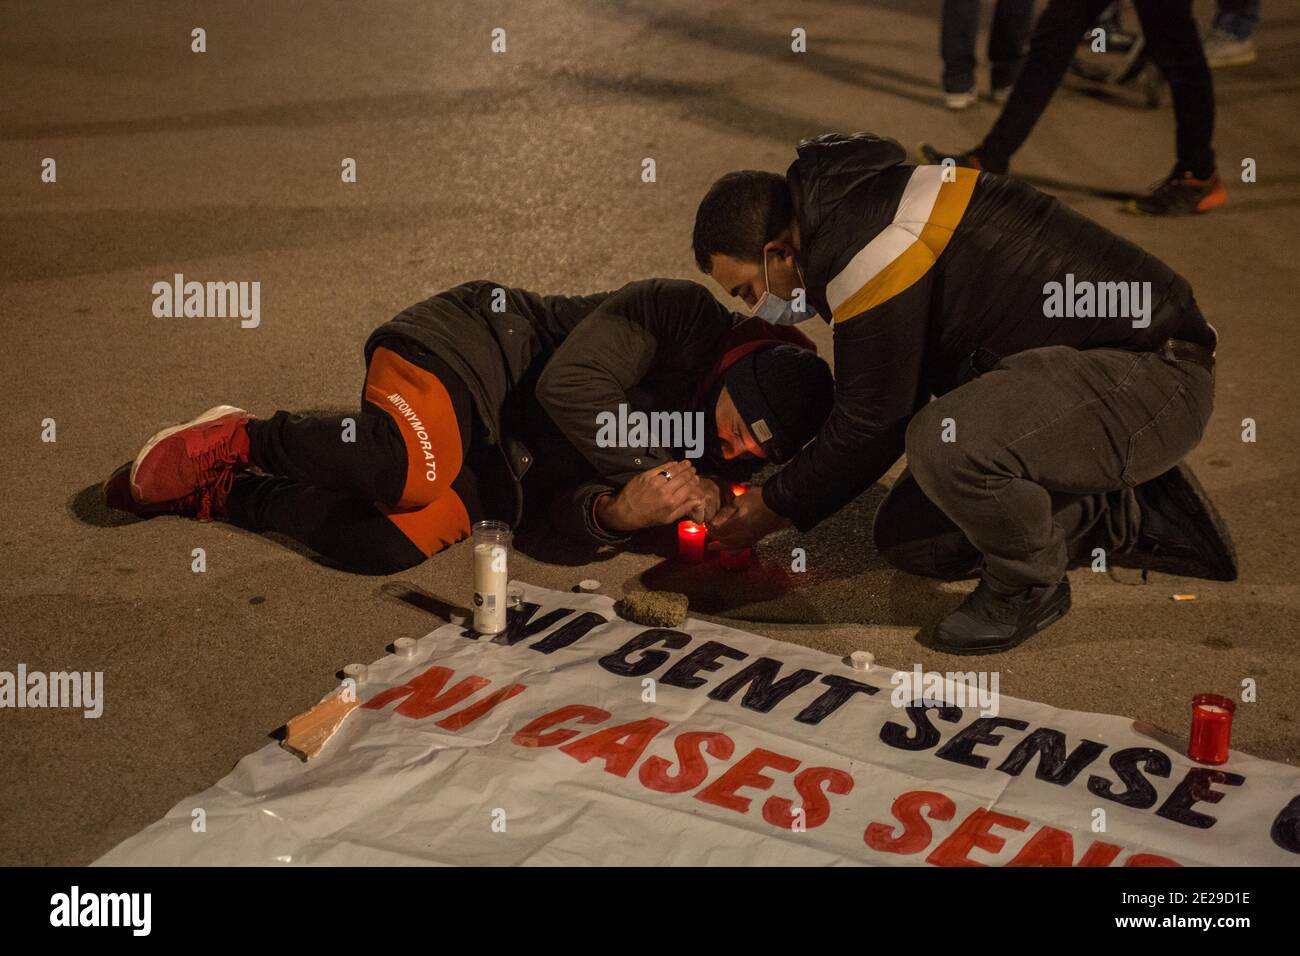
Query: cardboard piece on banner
{"type": "Point", "coordinates": [592, 740]}
{"type": "Point", "coordinates": [307, 733]}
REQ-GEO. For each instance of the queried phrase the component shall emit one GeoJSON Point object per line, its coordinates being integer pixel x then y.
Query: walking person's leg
{"type": "Point", "coordinates": [1052, 44]}
{"type": "Point", "coordinates": [1174, 44]}
{"type": "Point", "coordinates": [1008, 37]}
{"type": "Point", "coordinates": [1229, 42]}
{"type": "Point", "coordinates": [958, 26]}
{"type": "Point", "coordinates": [1237, 17]}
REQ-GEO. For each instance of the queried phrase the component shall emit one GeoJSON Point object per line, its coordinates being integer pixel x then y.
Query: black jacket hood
{"type": "Point", "coordinates": [832, 185]}
{"type": "Point", "coordinates": [831, 166]}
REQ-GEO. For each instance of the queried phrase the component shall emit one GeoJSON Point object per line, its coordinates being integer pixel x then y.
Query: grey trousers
{"type": "Point", "coordinates": [1033, 464]}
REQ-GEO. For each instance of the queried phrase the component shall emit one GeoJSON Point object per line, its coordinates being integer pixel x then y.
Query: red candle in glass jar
{"type": "Point", "coordinates": [1211, 728]}
{"type": "Point", "coordinates": [690, 540]}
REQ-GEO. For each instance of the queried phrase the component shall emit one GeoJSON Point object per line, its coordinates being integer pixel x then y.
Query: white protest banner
{"type": "Point", "coordinates": [578, 738]}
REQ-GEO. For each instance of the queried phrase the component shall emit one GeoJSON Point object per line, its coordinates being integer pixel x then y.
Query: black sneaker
{"type": "Point", "coordinates": [1181, 194]}
{"type": "Point", "coordinates": [992, 620]}
{"type": "Point", "coordinates": [1182, 533]}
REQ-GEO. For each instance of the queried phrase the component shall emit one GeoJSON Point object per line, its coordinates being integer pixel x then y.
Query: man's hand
{"type": "Point", "coordinates": [712, 496]}
{"type": "Point", "coordinates": [744, 522]}
{"type": "Point", "coordinates": [659, 495]}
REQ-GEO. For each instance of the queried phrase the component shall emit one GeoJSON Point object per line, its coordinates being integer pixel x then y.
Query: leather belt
{"type": "Point", "coordinates": [1183, 351]}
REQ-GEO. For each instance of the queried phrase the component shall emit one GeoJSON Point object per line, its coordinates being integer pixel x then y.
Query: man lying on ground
{"type": "Point", "coordinates": [1073, 373]}
{"type": "Point", "coordinates": [486, 402]}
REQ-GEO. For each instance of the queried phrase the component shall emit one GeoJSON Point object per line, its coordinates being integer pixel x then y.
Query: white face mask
{"type": "Point", "coordinates": [772, 308]}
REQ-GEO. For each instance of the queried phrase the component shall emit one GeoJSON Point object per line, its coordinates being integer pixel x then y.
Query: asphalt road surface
{"type": "Point", "coordinates": [522, 167]}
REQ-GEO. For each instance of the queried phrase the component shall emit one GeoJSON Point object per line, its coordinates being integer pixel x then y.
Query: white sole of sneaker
{"type": "Point", "coordinates": [1239, 59]}
{"type": "Point", "coordinates": [211, 414]}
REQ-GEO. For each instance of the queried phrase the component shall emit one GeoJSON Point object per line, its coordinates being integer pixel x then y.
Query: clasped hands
{"type": "Point", "coordinates": [667, 493]}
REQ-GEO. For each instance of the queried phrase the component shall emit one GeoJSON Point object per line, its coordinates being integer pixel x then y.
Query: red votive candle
{"type": "Point", "coordinates": [690, 540]}
{"type": "Point", "coordinates": [738, 489]}
{"type": "Point", "coordinates": [1211, 728]}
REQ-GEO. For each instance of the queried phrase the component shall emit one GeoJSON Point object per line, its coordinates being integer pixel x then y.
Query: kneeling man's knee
{"type": "Point", "coordinates": [940, 454]}
{"type": "Point", "coordinates": [931, 444]}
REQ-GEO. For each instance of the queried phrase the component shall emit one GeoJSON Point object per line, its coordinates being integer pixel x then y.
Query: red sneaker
{"type": "Point", "coordinates": [183, 459]}
{"type": "Point", "coordinates": [205, 504]}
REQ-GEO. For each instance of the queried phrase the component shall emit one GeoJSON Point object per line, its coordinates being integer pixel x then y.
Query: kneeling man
{"type": "Point", "coordinates": [1060, 420]}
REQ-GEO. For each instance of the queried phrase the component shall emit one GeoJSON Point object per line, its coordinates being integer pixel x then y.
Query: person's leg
{"type": "Point", "coordinates": [374, 492]}
{"type": "Point", "coordinates": [1007, 39]}
{"type": "Point", "coordinates": [348, 531]}
{"type": "Point", "coordinates": [352, 533]}
{"type": "Point", "coordinates": [1109, 19]}
{"type": "Point", "coordinates": [1174, 45]}
{"type": "Point", "coordinates": [1052, 421]}
{"type": "Point", "coordinates": [357, 535]}
{"type": "Point", "coordinates": [1237, 18]}
{"type": "Point", "coordinates": [404, 446]}
{"type": "Point", "coordinates": [958, 26]}
{"type": "Point", "coordinates": [913, 534]}
{"type": "Point", "coordinates": [1229, 42]}
{"type": "Point", "coordinates": [1055, 36]}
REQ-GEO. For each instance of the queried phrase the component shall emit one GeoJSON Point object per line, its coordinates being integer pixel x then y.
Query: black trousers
{"type": "Point", "coordinates": [958, 30]}
{"type": "Point", "coordinates": [337, 496]}
{"type": "Point", "coordinates": [1033, 464]}
{"type": "Point", "coordinates": [1174, 44]}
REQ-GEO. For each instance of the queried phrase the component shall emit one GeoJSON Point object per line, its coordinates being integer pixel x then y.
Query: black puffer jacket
{"type": "Point", "coordinates": [539, 368]}
{"type": "Point", "coordinates": [925, 278]}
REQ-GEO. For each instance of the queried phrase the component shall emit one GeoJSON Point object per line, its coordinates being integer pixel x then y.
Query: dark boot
{"type": "Point", "coordinates": [995, 619]}
{"type": "Point", "coordinates": [1182, 532]}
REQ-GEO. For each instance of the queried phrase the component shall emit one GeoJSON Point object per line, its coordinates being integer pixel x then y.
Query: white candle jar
{"type": "Point", "coordinates": [491, 542]}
